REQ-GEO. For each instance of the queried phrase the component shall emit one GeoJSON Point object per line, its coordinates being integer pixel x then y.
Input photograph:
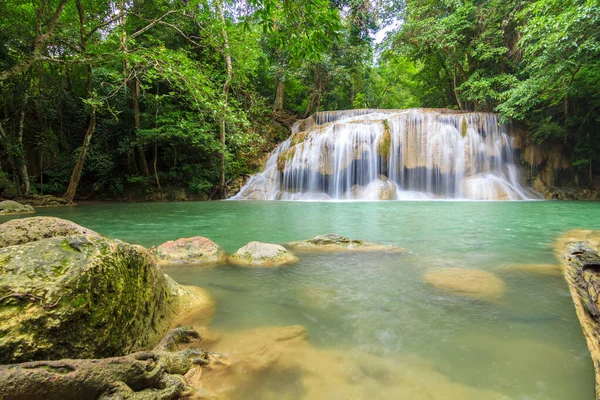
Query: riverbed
{"type": "Point", "coordinates": [526, 344]}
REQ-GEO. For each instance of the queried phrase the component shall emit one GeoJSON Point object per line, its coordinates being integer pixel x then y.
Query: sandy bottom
{"type": "Point", "coordinates": [279, 363]}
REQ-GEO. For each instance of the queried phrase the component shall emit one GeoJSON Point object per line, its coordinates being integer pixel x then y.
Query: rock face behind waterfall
{"type": "Point", "coordinates": [68, 292]}
{"type": "Point", "coordinates": [579, 251]}
{"type": "Point", "coordinates": [392, 154]}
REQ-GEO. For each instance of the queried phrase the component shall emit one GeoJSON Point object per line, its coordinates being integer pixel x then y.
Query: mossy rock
{"type": "Point", "coordinates": [25, 230]}
{"type": "Point", "coordinates": [9, 207]}
{"type": "Point", "coordinates": [284, 157]}
{"type": "Point", "coordinates": [257, 254]}
{"type": "Point", "coordinates": [73, 293]}
{"type": "Point", "coordinates": [195, 250]}
{"type": "Point", "coordinates": [335, 243]}
{"type": "Point", "coordinates": [385, 142]}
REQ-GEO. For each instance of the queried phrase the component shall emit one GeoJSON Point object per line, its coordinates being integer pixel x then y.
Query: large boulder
{"type": "Point", "coordinates": [68, 292]}
{"type": "Point", "coordinates": [471, 283]}
{"type": "Point", "coordinates": [263, 255]}
{"type": "Point", "coordinates": [8, 207]}
{"type": "Point", "coordinates": [194, 250]}
{"type": "Point", "coordinates": [25, 230]}
{"type": "Point", "coordinates": [335, 243]}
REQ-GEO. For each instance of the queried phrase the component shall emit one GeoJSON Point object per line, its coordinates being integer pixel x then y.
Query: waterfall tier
{"type": "Point", "coordinates": [389, 155]}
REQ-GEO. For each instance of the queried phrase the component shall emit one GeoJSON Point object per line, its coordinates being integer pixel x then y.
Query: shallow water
{"type": "Point", "coordinates": [526, 345]}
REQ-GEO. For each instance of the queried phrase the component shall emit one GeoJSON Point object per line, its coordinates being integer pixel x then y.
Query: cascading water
{"type": "Point", "coordinates": [392, 154]}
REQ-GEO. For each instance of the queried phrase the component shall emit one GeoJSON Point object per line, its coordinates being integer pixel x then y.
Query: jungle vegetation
{"type": "Point", "coordinates": [111, 99]}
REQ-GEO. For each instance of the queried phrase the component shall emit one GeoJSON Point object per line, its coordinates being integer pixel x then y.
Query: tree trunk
{"type": "Point", "coordinates": [460, 105]}
{"type": "Point", "coordinates": [226, 85]}
{"type": "Point", "coordinates": [156, 374]}
{"type": "Point", "coordinates": [279, 94]}
{"type": "Point", "coordinates": [76, 174]}
{"type": "Point", "coordinates": [134, 88]}
{"type": "Point", "coordinates": [21, 160]}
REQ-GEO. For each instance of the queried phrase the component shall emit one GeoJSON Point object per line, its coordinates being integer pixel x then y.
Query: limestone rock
{"type": "Point", "coordinates": [532, 269]}
{"type": "Point", "coordinates": [472, 283]}
{"type": "Point", "coordinates": [579, 251]}
{"type": "Point", "coordinates": [386, 189]}
{"type": "Point", "coordinates": [8, 207]}
{"type": "Point", "coordinates": [335, 243]}
{"type": "Point", "coordinates": [25, 230]}
{"type": "Point", "coordinates": [68, 292]}
{"type": "Point", "coordinates": [262, 254]}
{"type": "Point", "coordinates": [46, 200]}
{"type": "Point", "coordinates": [194, 250]}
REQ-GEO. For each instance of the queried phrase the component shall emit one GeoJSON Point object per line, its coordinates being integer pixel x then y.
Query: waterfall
{"type": "Point", "coordinates": [390, 155]}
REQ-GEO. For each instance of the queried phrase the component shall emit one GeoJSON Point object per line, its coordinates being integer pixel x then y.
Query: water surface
{"type": "Point", "coordinates": [527, 345]}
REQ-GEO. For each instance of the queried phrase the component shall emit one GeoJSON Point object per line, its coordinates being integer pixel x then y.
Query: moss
{"type": "Point", "coordinates": [64, 244]}
{"type": "Point", "coordinates": [463, 127]}
{"type": "Point", "coordinates": [385, 141]}
{"type": "Point", "coordinates": [4, 260]}
{"type": "Point", "coordinates": [299, 137]}
{"type": "Point", "coordinates": [285, 157]}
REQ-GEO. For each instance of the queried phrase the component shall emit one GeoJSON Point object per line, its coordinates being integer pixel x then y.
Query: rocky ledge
{"type": "Point", "coordinates": [579, 252]}
{"type": "Point", "coordinates": [332, 242]}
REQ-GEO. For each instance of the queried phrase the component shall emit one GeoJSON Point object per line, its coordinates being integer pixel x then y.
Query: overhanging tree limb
{"type": "Point", "coordinates": [38, 45]}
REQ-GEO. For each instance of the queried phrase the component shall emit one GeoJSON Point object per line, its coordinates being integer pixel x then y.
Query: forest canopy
{"type": "Point", "coordinates": [113, 99]}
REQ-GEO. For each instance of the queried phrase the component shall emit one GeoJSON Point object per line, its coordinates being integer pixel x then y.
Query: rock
{"type": "Point", "coordinates": [472, 283]}
{"type": "Point", "coordinates": [320, 297]}
{"type": "Point", "coordinates": [579, 251]}
{"type": "Point", "coordinates": [46, 200]}
{"type": "Point", "coordinates": [25, 230]}
{"type": "Point", "coordinates": [386, 189]}
{"type": "Point", "coordinates": [257, 195]}
{"type": "Point", "coordinates": [236, 185]}
{"type": "Point", "coordinates": [194, 250]}
{"type": "Point", "coordinates": [284, 356]}
{"type": "Point", "coordinates": [68, 292]}
{"type": "Point", "coordinates": [262, 254]}
{"type": "Point", "coordinates": [379, 189]}
{"type": "Point", "coordinates": [332, 242]}
{"type": "Point", "coordinates": [8, 207]}
{"type": "Point", "coordinates": [532, 269]}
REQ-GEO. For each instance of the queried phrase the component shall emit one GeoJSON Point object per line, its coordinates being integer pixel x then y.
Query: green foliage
{"type": "Point", "coordinates": [535, 61]}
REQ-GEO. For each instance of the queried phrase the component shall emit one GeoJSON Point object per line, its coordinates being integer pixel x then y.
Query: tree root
{"type": "Point", "coordinates": [145, 375]}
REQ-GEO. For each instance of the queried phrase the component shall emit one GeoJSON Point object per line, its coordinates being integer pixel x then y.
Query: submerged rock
{"type": "Point", "coordinates": [68, 292]}
{"type": "Point", "coordinates": [579, 251]}
{"type": "Point", "coordinates": [8, 207]}
{"type": "Point", "coordinates": [262, 254]}
{"type": "Point", "coordinates": [194, 250]}
{"type": "Point", "coordinates": [332, 242]}
{"type": "Point", "coordinates": [472, 283]}
{"type": "Point", "coordinates": [279, 363]}
{"type": "Point", "coordinates": [532, 269]}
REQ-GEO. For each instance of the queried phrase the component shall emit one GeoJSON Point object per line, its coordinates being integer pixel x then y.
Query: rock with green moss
{"type": "Point", "coordinates": [257, 254]}
{"type": "Point", "coordinates": [68, 292]}
{"type": "Point", "coordinates": [195, 250]}
{"type": "Point", "coordinates": [8, 207]}
{"type": "Point", "coordinates": [335, 243]}
{"type": "Point", "coordinates": [25, 230]}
